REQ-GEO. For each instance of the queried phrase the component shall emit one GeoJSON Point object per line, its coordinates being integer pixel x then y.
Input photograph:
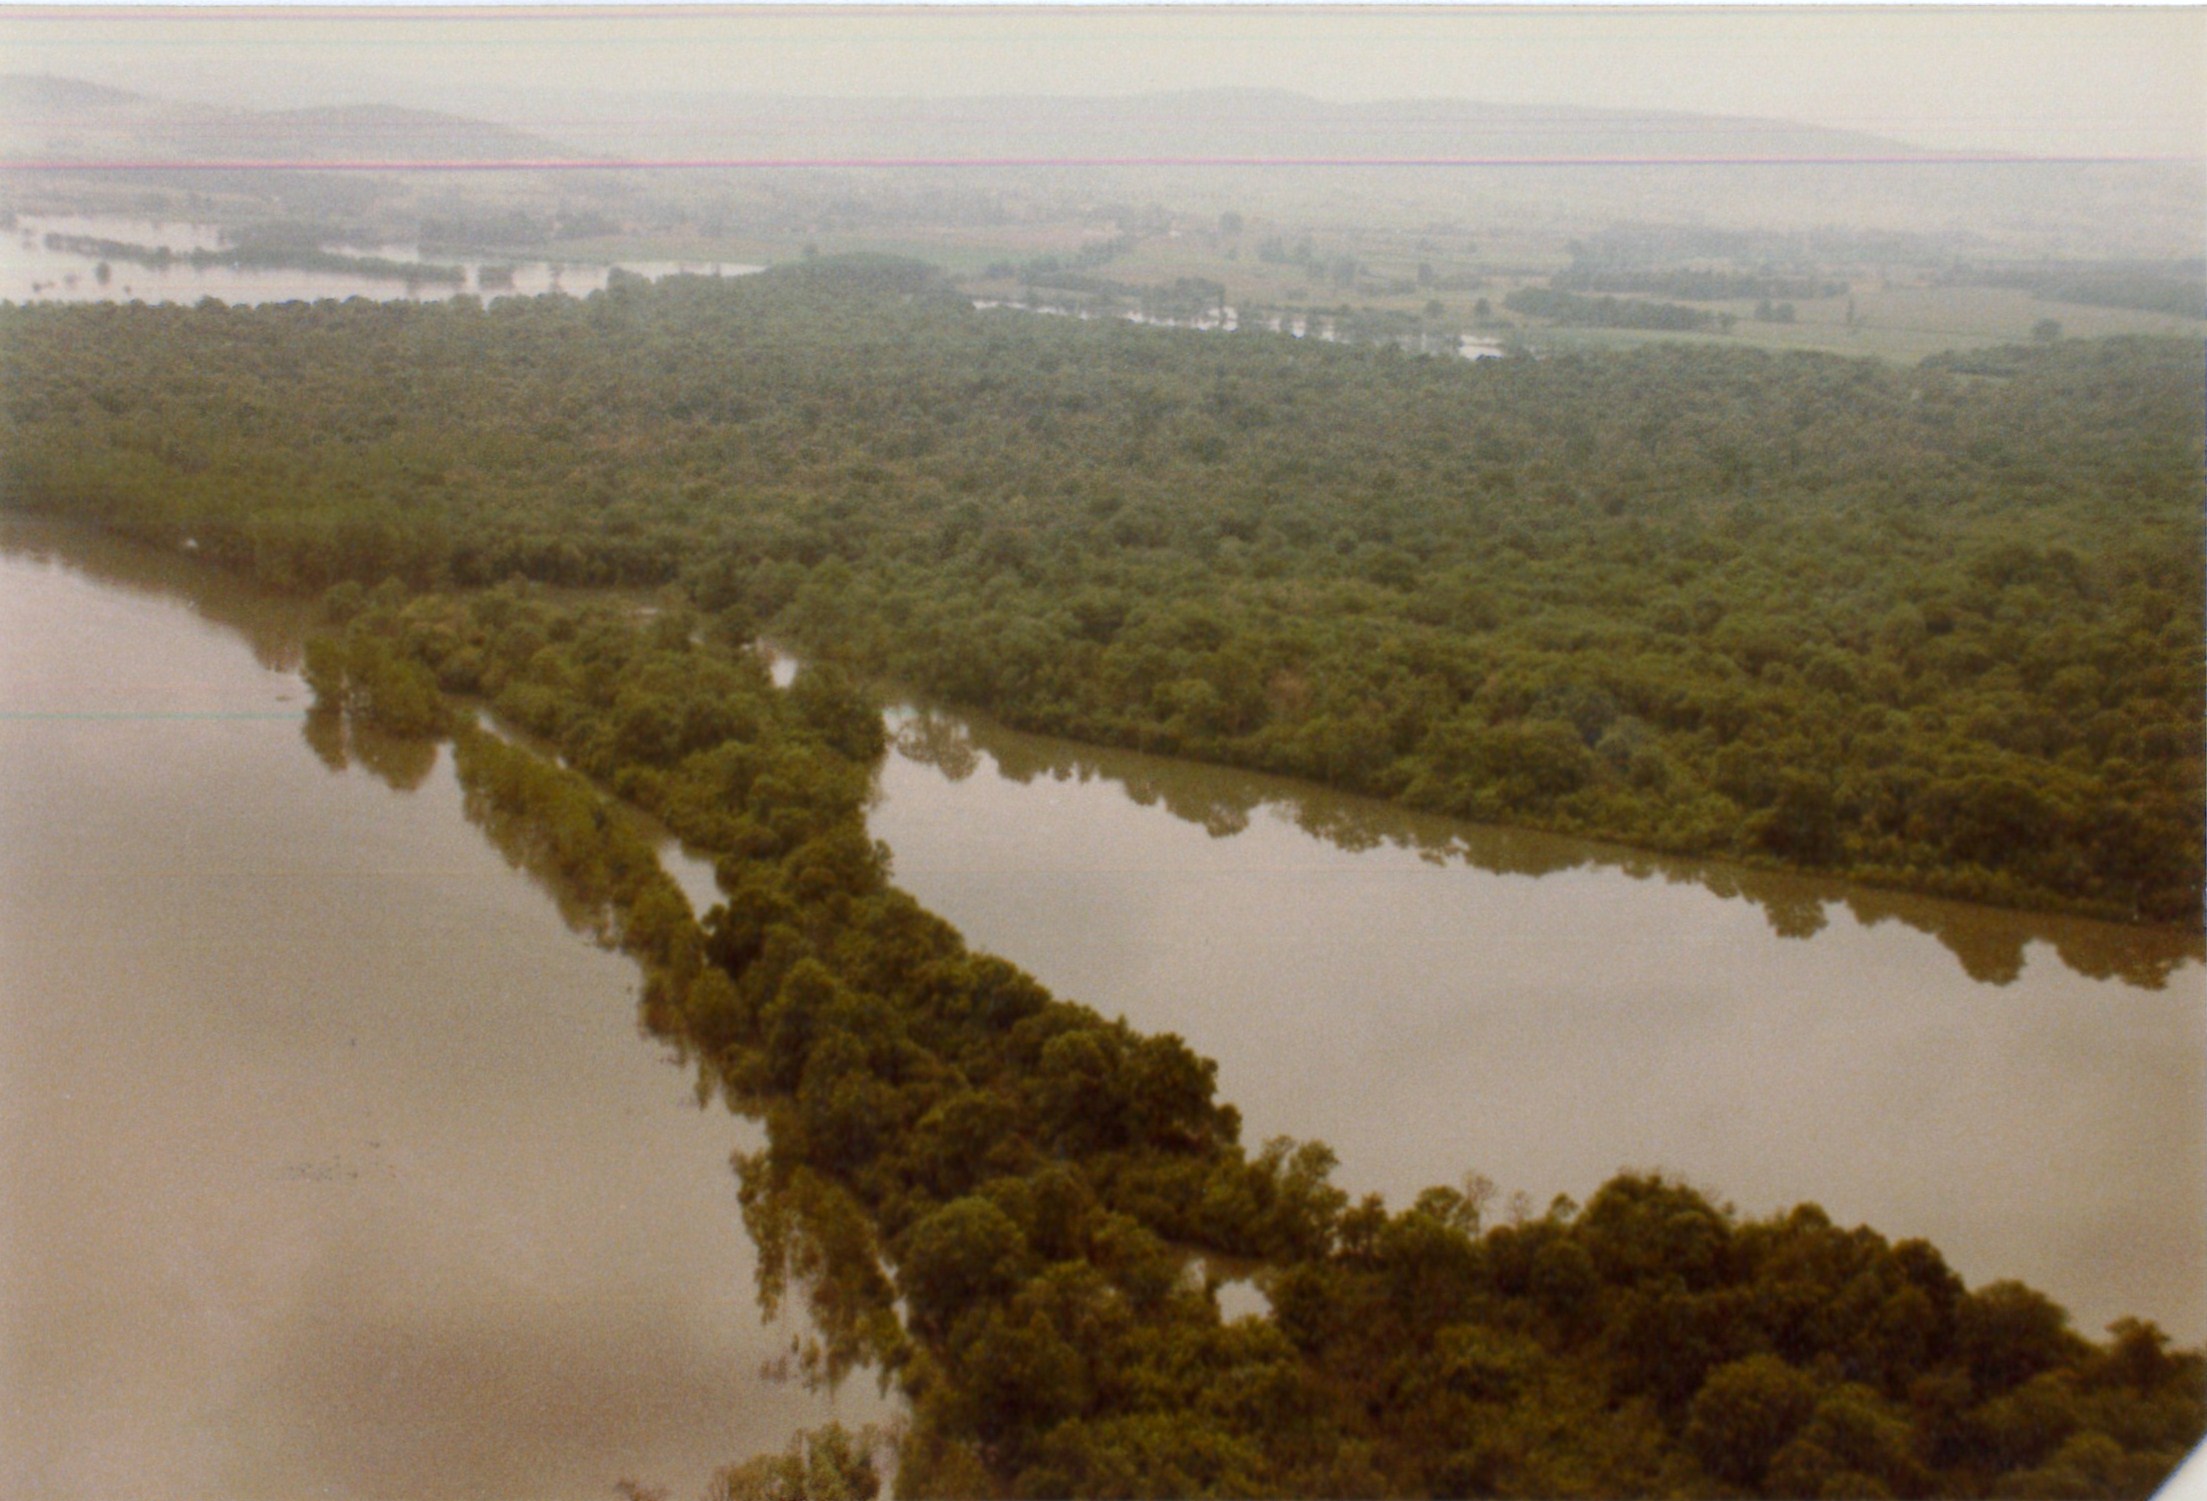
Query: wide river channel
{"type": "Point", "coordinates": [334, 1164]}
{"type": "Point", "coordinates": [34, 270]}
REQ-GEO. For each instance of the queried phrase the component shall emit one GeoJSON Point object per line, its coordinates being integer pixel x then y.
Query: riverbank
{"type": "Point", "coordinates": [794, 1190]}
{"type": "Point", "coordinates": [333, 1160]}
{"type": "Point", "coordinates": [873, 1042]}
{"type": "Point", "coordinates": [1601, 1007]}
{"type": "Point", "coordinates": [1937, 637]}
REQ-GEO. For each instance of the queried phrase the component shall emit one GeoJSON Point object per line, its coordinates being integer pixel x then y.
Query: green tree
{"type": "Point", "coordinates": [821, 1464]}
{"type": "Point", "coordinates": [1744, 1414]}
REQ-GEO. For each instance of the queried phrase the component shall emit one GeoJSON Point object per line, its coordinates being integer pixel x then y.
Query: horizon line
{"type": "Point", "coordinates": [660, 164]}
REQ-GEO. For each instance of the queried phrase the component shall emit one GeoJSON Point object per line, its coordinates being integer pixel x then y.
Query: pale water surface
{"type": "Point", "coordinates": [30, 271]}
{"type": "Point", "coordinates": [1433, 998]}
{"type": "Point", "coordinates": [331, 1162]}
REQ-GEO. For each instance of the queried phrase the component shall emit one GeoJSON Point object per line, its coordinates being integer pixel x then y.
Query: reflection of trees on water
{"type": "Point", "coordinates": [339, 741]}
{"type": "Point", "coordinates": [939, 741]}
{"type": "Point", "coordinates": [1221, 804]}
{"type": "Point", "coordinates": [806, 1254]}
{"type": "Point", "coordinates": [400, 762]}
{"type": "Point", "coordinates": [1989, 942]}
{"type": "Point", "coordinates": [324, 733]}
{"type": "Point", "coordinates": [520, 838]}
{"type": "Point", "coordinates": [272, 626]}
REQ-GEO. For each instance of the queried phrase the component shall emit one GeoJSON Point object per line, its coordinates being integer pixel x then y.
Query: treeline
{"type": "Point", "coordinates": [1916, 626]}
{"type": "Point", "coordinates": [1006, 1202]}
{"type": "Point", "coordinates": [515, 229]}
{"type": "Point", "coordinates": [1186, 297]}
{"type": "Point", "coordinates": [1691, 284]}
{"type": "Point", "coordinates": [1797, 253]}
{"type": "Point", "coordinates": [1069, 269]}
{"type": "Point", "coordinates": [1582, 311]}
{"type": "Point", "coordinates": [2174, 287]}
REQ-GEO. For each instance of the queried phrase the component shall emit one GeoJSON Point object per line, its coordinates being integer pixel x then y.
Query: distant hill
{"type": "Point", "coordinates": [1561, 167]}
{"type": "Point", "coordinates": [29, 91]}
{"type": "Point", "coordinates": [1190, 124]}
{"type": "Point", "coordinates": [1400, 164]}
{"type": "Point", "coordinates": [365, 132]}
{"type": "Point", "coordinates": [49, 119]}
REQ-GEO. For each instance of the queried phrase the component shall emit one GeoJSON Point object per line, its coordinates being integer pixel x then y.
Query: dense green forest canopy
{"type": "Point", "coordinates": [1932, 627]}
{"type": "Point", "coordinates": [1020, 1210]}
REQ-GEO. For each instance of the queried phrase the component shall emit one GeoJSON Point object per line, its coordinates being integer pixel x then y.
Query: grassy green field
{"type": "Point", "coordinates": [1904, 324]}
{"type": "Point", "coordinates": [1892, 319]}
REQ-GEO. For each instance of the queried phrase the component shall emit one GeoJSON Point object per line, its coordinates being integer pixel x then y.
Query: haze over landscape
{"type": "Point", "coordinates": [1346, 750]}
{"type": "Point", "coordinates": [2051, 81]}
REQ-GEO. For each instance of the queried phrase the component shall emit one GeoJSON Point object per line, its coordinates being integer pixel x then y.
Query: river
{"type": "Point", "coordinates": [334, 1164]}
{"type": "Point", "coordinates": [33, 271]}
{"type": "Point", "coordinates": [1323, 327]}
{"type": "Point", "coordinates": [1433, 998]}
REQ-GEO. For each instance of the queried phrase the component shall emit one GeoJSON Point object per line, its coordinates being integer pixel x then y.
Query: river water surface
{"type": "Point", "coordinates": [1433, 998]}
{"type": "Point", "coordinates": [33, 271]}
{"type": "Point", "coordinates": [334, 1164]}
{"type": "Point", "coordinates": [331, 1162]}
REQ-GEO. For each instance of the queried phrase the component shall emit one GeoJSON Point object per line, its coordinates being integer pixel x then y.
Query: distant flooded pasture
{"type": "Point", "coordinates": [55, 258]}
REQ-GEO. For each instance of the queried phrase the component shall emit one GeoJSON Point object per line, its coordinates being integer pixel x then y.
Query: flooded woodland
{"type": "Point", "coordinates": [337, 1159]}
{"type": "Point", "coordinates": [1266, 789]}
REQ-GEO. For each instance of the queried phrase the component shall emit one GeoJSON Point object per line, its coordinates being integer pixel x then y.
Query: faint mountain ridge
{"type": "Point", "coordinates": [369, 132]}
{"type": "Point", "coordinates": [50, 91]}
{"type": "Point", "coordinates": [1415, 161]}
{"type": "Point", "coordinates": [46, 118]}
{"type": "Point", "coordinates": [1179, 125]}
{"type": "Point", "coordinates": [1560, 168]}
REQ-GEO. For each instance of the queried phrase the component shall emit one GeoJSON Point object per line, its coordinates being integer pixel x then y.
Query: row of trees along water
{"type": "Point", "coordinates": [1005, 1202]}
{"type": "Point", "coordinates": [1934, 627]}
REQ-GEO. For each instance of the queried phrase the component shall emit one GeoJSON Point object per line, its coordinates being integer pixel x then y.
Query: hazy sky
{"type": "Point", "coordinates": [2057, 80]}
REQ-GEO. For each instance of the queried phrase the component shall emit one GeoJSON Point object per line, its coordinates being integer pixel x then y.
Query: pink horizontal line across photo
{"type": "Point", "coordinates": [661, 164]}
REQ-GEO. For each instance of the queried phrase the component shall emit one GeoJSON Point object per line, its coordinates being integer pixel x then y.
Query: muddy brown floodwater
{"type": "Point", "coordinates": [1432, 998]}
{"type": "Point", "coordinates": [331, 1162]}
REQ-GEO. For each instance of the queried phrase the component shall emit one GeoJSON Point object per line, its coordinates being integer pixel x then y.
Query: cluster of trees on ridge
{"type": "Point", "coordinates": [1579, 310]}
{"type": "Point", "coordinates": [2175, 287]}
{"type": "Point", "coordinates": [1926, 627]}
{"type": "Point", "coordinates": [1004, 1201]}
{"type": "Point", "coordinates": [1692, 284]}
